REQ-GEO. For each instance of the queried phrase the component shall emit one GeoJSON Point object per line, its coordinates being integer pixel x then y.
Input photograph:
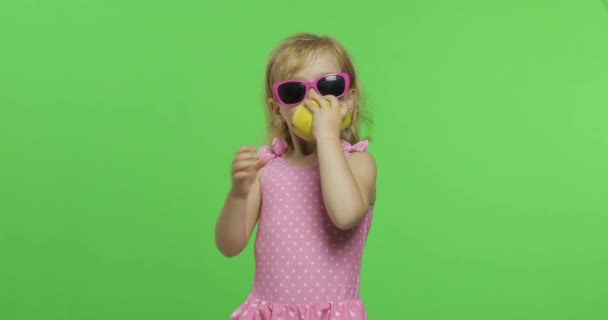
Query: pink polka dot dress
{"type": "Point", "coordinates": [306, 267]}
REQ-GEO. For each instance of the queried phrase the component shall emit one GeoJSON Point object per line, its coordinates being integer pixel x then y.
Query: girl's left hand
{"type": "Point", "coordinates": [328, 116]}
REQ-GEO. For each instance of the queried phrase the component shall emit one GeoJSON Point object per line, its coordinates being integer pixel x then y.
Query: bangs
{"type": "Point", "coordinates": [289, 63]}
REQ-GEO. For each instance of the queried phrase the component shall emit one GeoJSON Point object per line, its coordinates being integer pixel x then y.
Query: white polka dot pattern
{"type": "Point", "coordinates": [304, 263]}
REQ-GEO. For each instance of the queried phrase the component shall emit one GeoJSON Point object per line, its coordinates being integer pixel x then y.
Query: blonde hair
{"type": "Point", "coordinates": [289, 57]}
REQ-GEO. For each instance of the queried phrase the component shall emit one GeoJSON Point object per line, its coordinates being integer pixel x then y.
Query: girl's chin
{"type": "Point", "coordinates": [302, 137]}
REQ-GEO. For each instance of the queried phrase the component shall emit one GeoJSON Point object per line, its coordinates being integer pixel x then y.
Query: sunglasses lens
{"type": "Point", "coordinates": [334, 85]}
{"type": "Point", "coordinates": [292, 92]}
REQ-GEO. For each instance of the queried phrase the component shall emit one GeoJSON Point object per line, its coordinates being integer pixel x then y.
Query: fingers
{"type": "Point", "coordinates": [245, 168]}
{"type": "Point", "coordinates": [243, 165]}
{"type": "Point", "coordinates": [323, 103]}
{"type": "Point", "coordinates": [326, 101]}
{"type": "Point", "coordinates": [244, 149]}
{"type": "Point", "coordinates": [245, 152]}
{"type": "Point", "coordinates": [333, 101]}
{"type": "Point", "coordinates": [247, 162]}
{"type": "Point", "coordinates": [261, 163]}
{"type": "Point", "coordinates": [241, 175]}
{"type": "Point", "coordinates": [244, 159]}
{"type": "Point", "coordinates": [245, 156]}
{"type": "Point", "coordinates": [311, 106]}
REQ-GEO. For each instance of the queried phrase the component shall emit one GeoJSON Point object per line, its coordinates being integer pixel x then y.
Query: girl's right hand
{"type": "Point", "coordinates": [245, 167]}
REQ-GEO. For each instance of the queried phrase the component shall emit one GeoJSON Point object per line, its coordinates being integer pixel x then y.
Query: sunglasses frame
{"type": "Point", "coordinates": [308, 85]}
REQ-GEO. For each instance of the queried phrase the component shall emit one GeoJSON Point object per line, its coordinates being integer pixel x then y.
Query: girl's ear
{"type": "Point", "coordinates": [273, 107]}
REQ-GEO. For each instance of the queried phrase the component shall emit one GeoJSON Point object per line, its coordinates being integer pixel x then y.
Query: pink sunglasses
{"type": "Point", "coordinates": [290, 93]}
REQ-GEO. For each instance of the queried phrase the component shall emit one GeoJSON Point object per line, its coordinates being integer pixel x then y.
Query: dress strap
{"type": "Point", "coordinates": [277, 150]}
{"type": "Point", "coordinates": [279, 146]}
{"type": "Point", "coordinates": [357, 147]}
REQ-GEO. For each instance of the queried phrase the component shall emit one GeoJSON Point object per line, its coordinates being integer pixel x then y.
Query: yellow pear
{"type": "Point", "coordinates": [302, 122]}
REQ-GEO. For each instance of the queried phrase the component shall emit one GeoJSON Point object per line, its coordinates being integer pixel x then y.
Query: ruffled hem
{"type": "Point", "coordinates": [257, 309]}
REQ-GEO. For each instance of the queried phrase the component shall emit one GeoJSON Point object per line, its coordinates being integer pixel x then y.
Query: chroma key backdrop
{"type": "Point", "coordinates": [119, 121]}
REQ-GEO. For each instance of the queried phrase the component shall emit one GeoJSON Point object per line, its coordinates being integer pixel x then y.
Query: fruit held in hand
{"type": "Point", "coordinates": [302, 122]}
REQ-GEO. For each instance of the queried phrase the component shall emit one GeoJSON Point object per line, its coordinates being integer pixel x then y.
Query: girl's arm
{"type": "Point", "coordinates": [237, 220]}
{"type": "Point", "coordinates": [348, 185]}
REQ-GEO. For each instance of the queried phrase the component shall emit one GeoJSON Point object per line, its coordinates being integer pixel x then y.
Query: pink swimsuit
{"type": "Point", "coordinates": [306, 268]}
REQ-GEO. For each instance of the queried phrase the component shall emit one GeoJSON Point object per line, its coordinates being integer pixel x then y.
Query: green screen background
{"type": "Point", "coordinates": [119, 120]}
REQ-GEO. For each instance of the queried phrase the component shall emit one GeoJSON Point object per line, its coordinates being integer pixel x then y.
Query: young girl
{"type": "Point", "coordinates": [311, 196]}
